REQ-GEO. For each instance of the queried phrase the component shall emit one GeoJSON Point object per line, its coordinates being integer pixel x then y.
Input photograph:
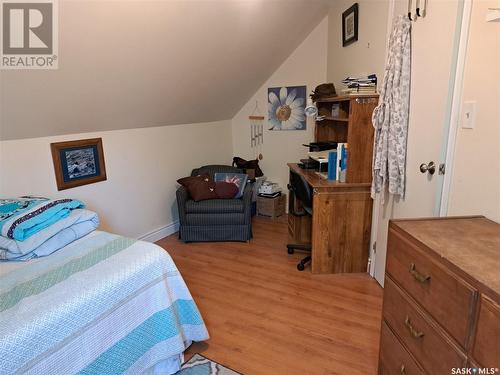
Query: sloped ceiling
{"type": "Point", "coordinates": [130, 64]}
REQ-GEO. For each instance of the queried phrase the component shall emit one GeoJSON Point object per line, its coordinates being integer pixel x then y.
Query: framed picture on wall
{"type": "Point", "coordinates": [286, 107]}
{"type": "Point", "coordinates": [350, 25]}
{"type": "Point", "coordinates": [78, 163]}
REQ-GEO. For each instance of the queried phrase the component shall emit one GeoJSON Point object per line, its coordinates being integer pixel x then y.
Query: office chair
{"type": "Point", "coordinates": [299, 187]}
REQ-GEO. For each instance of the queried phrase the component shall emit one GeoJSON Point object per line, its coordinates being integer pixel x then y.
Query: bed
{"type": "Point", "coordinates": [103, 304]}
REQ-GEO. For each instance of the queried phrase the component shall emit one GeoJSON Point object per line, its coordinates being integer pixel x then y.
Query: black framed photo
{"type": "Point", "coordinates": [350, 25]}
{"type": "Point", "coordinates": [78, 163]}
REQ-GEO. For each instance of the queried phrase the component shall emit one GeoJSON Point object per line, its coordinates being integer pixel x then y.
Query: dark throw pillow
{"type": "Point", "coordinates": [226, 190]}
{"type": "Point", "coordinates": [199, 187]}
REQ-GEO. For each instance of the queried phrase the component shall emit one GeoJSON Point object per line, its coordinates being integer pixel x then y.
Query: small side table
{"type": "Point", "coordinates": [271, 207]}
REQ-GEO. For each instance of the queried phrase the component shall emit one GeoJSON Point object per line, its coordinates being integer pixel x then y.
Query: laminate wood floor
{"type": "Point", "coordinates": [265, 317]}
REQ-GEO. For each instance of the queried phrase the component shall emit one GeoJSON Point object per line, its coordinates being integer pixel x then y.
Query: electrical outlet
{"type": "Point", "coordinates": [469, 115]}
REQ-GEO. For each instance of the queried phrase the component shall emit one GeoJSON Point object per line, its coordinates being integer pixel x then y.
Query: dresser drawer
{"type": "Point", "coordinates": [431, 348]}
{"type": "Point", "coordinates": [446, 297]}
{"type": "Point", "coordinates": [486, 349]}
{"type": "Point", "coordinates": [394, 359]}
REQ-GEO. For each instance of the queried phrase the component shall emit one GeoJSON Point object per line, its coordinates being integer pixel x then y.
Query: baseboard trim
{"type": "Point", "coordinates": [160, 233]}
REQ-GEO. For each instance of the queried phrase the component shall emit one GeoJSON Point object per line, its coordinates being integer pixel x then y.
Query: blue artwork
{"type": "Point", "coordinates": [79, 163]}
{"type": "Point", "coordinates": [286, 107]}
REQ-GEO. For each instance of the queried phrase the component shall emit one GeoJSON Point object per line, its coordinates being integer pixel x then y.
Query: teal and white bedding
{"type": "Point", "coordinates": [77, 224]}
{"type": "Point", "coordinates": [22, 217]}
{"type": "Point", "coordinates": [103, 304]}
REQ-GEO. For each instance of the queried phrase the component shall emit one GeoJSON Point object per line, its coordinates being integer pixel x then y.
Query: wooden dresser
{"type": "Point", "coordinates": [442, 297]}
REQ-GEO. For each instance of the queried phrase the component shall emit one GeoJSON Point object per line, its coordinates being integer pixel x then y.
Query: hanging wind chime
{"type": "Point", "coordinates": [256, 131]}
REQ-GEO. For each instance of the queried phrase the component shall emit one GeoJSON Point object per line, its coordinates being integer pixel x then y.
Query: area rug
{"type": "Point", "coordinates": [199, 365]}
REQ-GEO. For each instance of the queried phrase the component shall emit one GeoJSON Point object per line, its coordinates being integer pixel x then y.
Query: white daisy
{"type": "Point", "coordinates": [287, 111]}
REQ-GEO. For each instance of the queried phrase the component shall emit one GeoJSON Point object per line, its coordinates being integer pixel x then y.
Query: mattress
{"type": "Point", "coordinates": [104, 304]}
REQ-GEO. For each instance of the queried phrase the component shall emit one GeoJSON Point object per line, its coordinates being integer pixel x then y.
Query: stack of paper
{"type": "Point", "coordinates": [360, 85]}
{"type": "Point", "coordinates": [321, 156]}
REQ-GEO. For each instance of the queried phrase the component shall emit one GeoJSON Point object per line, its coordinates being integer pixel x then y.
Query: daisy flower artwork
{"type": "Point", "coordinates": [286, 107]}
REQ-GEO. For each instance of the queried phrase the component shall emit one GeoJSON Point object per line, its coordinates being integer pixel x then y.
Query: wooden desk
{"type": "Point", "coordinates": [341, 224]}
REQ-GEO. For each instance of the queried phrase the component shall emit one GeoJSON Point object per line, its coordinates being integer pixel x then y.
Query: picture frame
{"type": "Point", "coordinates": [350, 25]}
{"type": "Point", "coordinates": [78, 162]}
{"type": "Point", "coordinates": [286, 108]}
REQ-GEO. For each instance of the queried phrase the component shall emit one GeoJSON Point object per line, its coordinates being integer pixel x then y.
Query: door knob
{"type": "Point", "coordinates": [430, 168]}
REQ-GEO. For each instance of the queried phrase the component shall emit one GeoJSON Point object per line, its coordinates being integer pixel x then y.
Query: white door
{"type": "Point", "coordinates": [474, 176]}
{"type": "Point", "coordinates": [434, 47]}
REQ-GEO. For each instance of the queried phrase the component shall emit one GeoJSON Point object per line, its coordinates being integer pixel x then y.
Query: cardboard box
{"type": "Point", "coordinates": [271, 207]}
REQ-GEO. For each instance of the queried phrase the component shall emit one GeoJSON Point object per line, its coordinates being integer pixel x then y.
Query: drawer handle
{"type": "Point", "coordinates": [416, 334]}
{"type": "Point", "coordinates": [417, 275]}
{"type": "Point", "coordinates": [402, 370]}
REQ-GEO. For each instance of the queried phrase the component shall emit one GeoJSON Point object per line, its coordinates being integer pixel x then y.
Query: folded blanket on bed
{"type": "Point", "coordinates": [21, 218]}
{"type": "Point", "coordinates": [79, 223]}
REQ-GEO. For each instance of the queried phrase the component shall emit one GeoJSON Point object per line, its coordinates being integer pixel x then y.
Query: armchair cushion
{"type": "Point", "coordinates": [226, 190]}
{"type": "Point", "coordinates": [199, 187]}
{"type": "Point", "coordinates": [239, 179]}
{"type": "Point", "coordinates": [212, 206]}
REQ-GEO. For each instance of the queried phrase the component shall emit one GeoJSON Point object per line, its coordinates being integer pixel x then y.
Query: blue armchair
{"type": "Point", "coordinates": [215, 219]}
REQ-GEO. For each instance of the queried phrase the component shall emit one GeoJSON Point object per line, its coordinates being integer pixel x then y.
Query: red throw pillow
{"type": "Point", "coordinates": [199, 187]}
{"type": "Point", "coordinates": [226, 190]}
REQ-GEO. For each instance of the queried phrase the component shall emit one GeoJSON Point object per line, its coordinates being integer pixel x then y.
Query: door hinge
{"type": "Point", "coordinates": [374, 247]}
{"type": "Point", "coordinates": [442, 168]}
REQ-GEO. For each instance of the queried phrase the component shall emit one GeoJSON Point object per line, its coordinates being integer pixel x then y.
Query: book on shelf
{"type": "Point", "coordinates": [342, 152]}
{"type": "Point", "coordinates": [360, 91]}
{"type": "Point", "coordinates": [361, 85]}
{"type": "Point", "coordinates": [332, 165]}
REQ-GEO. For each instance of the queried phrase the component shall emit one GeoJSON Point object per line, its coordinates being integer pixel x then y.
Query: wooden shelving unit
{"type": "Point", "coordinates": [342, 211]}
{"type": "Point", "coordinates": [354, 126]}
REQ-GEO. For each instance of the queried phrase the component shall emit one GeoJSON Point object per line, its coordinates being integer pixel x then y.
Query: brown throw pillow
{"type": "Point", "coordinates": [199, 187]}
{"type": "Point", "coordinates": [226, 190]}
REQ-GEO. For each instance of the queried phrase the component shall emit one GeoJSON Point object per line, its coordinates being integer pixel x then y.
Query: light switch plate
{"type": "Point", "coordinates": [469, 114]}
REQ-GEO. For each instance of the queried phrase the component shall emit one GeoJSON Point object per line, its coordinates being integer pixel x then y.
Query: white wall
{"type": "Point", "coordinates": [365, 56]}
{"type": "Point", "coordinates": [129, 64]}
{"type": "Point", "coordinates": [475, 187]}
{"type": "Point", "coordinates": [142, 167]}
{"type": "Point", "coordinates": [305, 66]}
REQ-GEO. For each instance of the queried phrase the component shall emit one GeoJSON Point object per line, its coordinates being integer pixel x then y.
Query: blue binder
{"type": "Point", "coordinates": [332, 165]}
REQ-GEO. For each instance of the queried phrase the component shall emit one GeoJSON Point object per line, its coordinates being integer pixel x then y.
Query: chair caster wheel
{"type": "Point", "coordinates": [291, 251]}
{"type": "Point", "coordinates": [300, 267]}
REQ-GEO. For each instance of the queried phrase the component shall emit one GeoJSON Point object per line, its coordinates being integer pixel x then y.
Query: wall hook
{"type": "Point", "coordinates": [418, 9]}
{"type": "Point", "coordinates": [409, 10]}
